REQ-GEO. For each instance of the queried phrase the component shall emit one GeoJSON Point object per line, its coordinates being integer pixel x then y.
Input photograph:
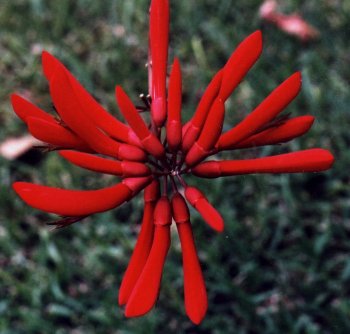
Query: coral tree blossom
{"type": "Point", "coordinates": [156, 157]}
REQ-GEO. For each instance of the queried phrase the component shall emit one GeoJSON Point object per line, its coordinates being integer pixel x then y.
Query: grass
{"type": "Point", "coordinates": [282, 264]}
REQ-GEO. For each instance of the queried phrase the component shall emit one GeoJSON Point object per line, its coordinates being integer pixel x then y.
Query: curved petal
{"type": "Point", "coordinates": [145, 292]}
{"type": "Point", "coordinates": [25, 109]}
{"type": "Point", "coordinates": [264, 112]}
{"type": "Point", "coordinates": [55, 134]}
{"type": "Point", "coordinates": [240, 62]}
{"type": "Point", "coordinates": [73, 115]}
{"type": "Point", "coordinates": [196, 300]}
{"type": "Point", "coordinates": [139, 255]}
{"type": "Point", "coordinates": [72, 203]}
{"type": "Point", "coordinates": [91, 107]}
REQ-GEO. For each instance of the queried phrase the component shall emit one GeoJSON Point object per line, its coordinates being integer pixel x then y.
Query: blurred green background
{"type": "Point", "coordinates": [282, 264]}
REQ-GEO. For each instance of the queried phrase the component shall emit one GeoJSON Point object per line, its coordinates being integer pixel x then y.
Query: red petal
{"type": "Point", "coordinates": [241, 60]}
{"type": "Point", "coordinates": [162, 212]}
{"type": "Point", "coordinates": [159, 40]}
{"type": "Point", "coordinates": [210, 215]}
{"type": "Point", "coordinates": [72, 203]}
{"type": "Point", "coordinates": [25, 109]}
{"type": "Point", "coordinates": [292, 128]}
{"type": "Point", "coordinates": [107, 166]}
{"type": "Point", "coordinates": [194, 126]}
{"type": "Point", "coordinates": [265, 112]}
{"type": "Point", "coordinates": [312, 160]}
{"type": "Point", "coordinates": [143, 244]}
{"type": "Point", "coordinates": [173, 129]}
{"type": "Point", "coordinates": [180, 210]}
{"type": "Point", "coordinates": [139, 255]}
{"type": "Point", "coordinates": [90, 106]}
{"type": "Point", "coordinates": [146, 290]}
{"type": "Point", "coordinates": [55, 134]}
{"type": "Point", "coordinates": [49, 64]}
{"type": "Point", "coordinates": [149, 141]}
{"type": "Point", "coordinates": [73, 115]}
{"type": "Point", "coordinates": [196, 301]}
{"type": "Point", "coordinates": [152, 192]}
{"type": "Point", "coordinates": [209, 135]}
{"type": "Point", "coordinates": [136, 184]}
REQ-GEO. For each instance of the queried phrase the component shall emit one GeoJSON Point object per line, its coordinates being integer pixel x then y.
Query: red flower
{"type": "Point", "coordinates": [148, 156]}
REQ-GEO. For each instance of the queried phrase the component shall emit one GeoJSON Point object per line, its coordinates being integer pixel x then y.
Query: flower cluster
{"type": "Point", "coordinates": [156, 157]}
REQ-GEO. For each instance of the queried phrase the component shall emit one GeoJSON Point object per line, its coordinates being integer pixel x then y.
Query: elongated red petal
{"type": "Point", "coordinates": [196, 301]}
{"type": "Point", "coordinates": [72, 203]}
{"type": "Point", "coordinates": [90, 106]}
{"type": "Point", "coordinates": [139, 255]}
{"type": "Point", "coordinates": [194, 126]}
{"type": "Point", "coordinates": [292, 128]}
{"type": "Point", "coordinates": [173, 128]}
{"type": "Point", "coordinates": [77, 203]}
{"type": "Point", "coordinates": [264, 112]}
{"type": "Point", "coordinates": [145, 292]}
{"type": "Point", "coordinates": [149, 141]}
{"type": "Point", "coordinates": [25, 109]}
{"type": "Point", "coordinates": [311, 160]}
{"type": "Point", "coordinates": [210, 215]}
{"type": "Point", "coordinates": [107, 166]}
{"type": "Point", "coordinates": [209, 135]}
{"type": "Point", "coordinates": [241, 60]}
{"type": "Point", "coordinates": [159, 40]}
{"type": "Point", "coordinates": [55, 134]}
{"type": "Point", "coordinates": [143, 244]}
{"type": "Point", "coordinates": [72, 114]}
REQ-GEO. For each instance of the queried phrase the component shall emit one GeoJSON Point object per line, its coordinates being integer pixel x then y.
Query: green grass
{"type": "Point", "coordinates": [281, 266]}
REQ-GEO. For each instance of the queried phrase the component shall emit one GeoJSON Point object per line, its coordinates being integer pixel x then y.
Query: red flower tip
{"type": "Point", "coordinates": [241, 60]}
{"type": "Point", "coordinates": [173, 127]}
{"type": "Point", "coordinates": [25, 109]}
{"type": "Point", "coordinates": [196, 301]}
{"type": "Point", "coordinates": [159, 39]}
{"type": "Point", "coordinates": [197, 199]}
{"type": "Point", "coordinates": [267, 110]}
{"type": "Point", "coordinates": [49, 63]}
